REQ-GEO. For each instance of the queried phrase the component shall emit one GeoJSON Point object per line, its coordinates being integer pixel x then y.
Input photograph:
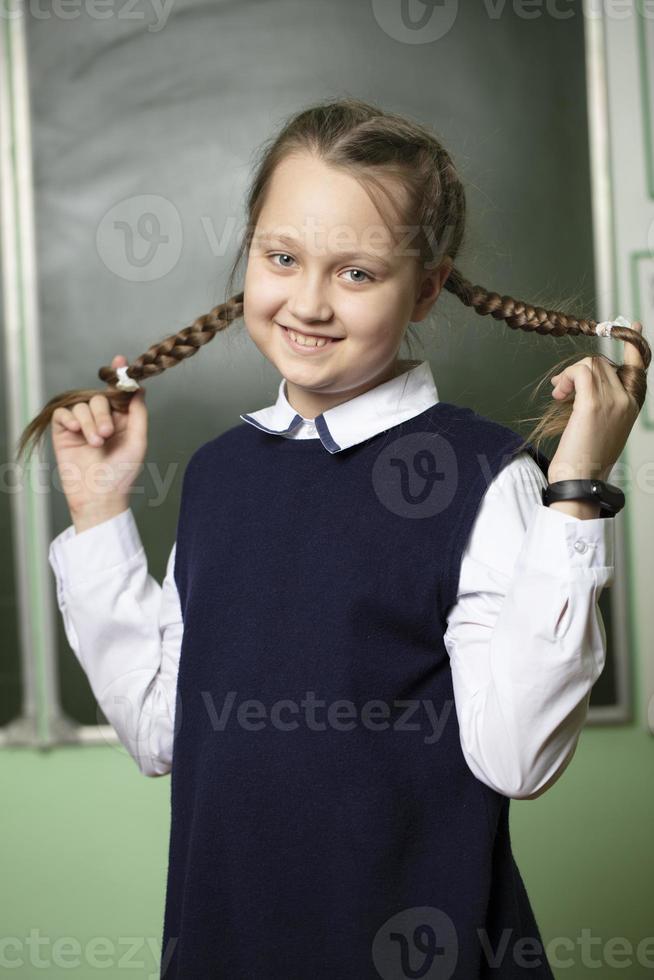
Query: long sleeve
{"type": "Point", "coordinates": [525, 638]}
{"type": "Point", "coordinates": [125, 630]}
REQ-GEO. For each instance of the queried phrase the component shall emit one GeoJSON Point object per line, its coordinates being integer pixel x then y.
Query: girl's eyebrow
{"type": "Point", "coordinates": [292, 242]}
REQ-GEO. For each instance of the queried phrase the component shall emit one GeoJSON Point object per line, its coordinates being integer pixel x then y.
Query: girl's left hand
{"type": "Point", "coordinates": [597, 430]}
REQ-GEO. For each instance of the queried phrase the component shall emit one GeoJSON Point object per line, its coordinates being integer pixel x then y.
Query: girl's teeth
{"type": "Point", "coordinates": [307, 341]}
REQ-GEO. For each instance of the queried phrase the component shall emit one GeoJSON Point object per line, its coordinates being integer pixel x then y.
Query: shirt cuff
{"type": "Point", "coordinates": [556, 541]}
{"type": "Point", "coordinates": [74, 557]}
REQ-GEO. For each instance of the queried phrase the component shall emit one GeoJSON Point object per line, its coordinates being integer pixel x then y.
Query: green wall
{"type": "Point", "coordinates": [85, 840]}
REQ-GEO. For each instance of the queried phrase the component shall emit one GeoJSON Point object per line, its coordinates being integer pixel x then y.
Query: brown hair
{"type": "Point", "coordinates": [369, 143]}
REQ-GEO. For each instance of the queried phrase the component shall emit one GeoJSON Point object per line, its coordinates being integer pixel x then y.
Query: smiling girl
{"type": "Point", "coordinates": [372, 633]}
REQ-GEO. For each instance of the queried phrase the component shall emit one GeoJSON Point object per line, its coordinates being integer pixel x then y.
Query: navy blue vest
{"type": "Point", "coordinates": [324, 822]}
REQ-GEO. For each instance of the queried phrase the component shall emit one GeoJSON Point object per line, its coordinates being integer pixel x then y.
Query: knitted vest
{"type": "Point", "coordinates": [324, 822]}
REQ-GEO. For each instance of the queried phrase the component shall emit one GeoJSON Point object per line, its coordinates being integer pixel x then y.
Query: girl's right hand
{"type": "Point", "coordinates": [100, 452]}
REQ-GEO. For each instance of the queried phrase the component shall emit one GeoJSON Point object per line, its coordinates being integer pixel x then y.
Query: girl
{"type": "Point", "coordinates": [331, 815]}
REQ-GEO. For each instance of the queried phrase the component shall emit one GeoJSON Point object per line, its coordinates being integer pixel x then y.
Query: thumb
{"type": "Point", "coordinates": [138, 413]}
{"type": "Point", "coordinates": [631, 354]}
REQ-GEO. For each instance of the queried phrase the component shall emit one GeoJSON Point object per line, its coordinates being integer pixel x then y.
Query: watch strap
{"type": "Point", "coordinates": [610, 497]}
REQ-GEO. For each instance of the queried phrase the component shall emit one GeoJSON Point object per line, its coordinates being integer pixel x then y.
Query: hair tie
{"type": "Point", "coordinates": [125, 383]}
{"type": "Point", "coordinates": [604, 328]}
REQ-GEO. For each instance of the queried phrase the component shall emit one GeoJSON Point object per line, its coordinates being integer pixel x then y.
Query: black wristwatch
{"type": "Point", "coordinates": [610, 497]}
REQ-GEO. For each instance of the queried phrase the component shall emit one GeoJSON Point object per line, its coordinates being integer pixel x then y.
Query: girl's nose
{"type": "Point", "coordinates": [308, 300]}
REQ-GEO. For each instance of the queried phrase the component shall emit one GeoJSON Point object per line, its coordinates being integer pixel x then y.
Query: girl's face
{"type": "Point", "coordinates": [322, 262]}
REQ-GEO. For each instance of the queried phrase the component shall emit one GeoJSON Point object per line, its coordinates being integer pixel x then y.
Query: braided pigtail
{"type": "Point", "coordinates": [519, 315]}
{"type": "Point", "coordinates": [162, 355]}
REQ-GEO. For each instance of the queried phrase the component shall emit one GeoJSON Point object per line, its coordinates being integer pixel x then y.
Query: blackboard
{"type": "Point", "coordinates": [125, 107]}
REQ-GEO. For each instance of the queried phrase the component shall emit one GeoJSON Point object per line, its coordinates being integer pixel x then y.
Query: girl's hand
{"type": "Point", "coordinates": [99, 452]}
{"type": "Point", "coordinates": [597, 430]}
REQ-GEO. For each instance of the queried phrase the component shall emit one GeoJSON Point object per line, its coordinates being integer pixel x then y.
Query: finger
{"type": "Point", "coordinates": [610, 374]}
{"type": "Point", "coordinates": [576, 378]}
{"type": "Point", "coordinates": [82, 412]}
{"type": "Point", "coordinates": [138, 414]}
{"type": "Point", "coordinates": [99, 406]}
{"type": "Point", "coordinates": [563, 382]}
{"type": "Point", "coordinates": [119, 360]}
{"type": "Point", "coordinates": [593, 364]}
{"type": "Point", "coordinates": [65, 418]}
{"type": "Point", "coordinates": [632, 355]}
{"type": "Point", "coordinates": [561, 385]}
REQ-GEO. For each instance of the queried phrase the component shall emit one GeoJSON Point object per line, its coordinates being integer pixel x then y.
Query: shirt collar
{"type": "Point", "coordinates": [359, 418]}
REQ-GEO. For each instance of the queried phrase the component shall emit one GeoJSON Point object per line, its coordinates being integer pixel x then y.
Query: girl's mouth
{"type": "Point", "coordinates": [307, 345]}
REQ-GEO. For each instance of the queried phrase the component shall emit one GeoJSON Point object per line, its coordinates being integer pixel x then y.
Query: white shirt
{"type": "Point", "coordinates": [525, 638]}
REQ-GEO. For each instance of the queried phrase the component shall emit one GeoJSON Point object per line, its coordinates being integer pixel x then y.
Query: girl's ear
{"type": "Point", "coordinates": [430, 287]}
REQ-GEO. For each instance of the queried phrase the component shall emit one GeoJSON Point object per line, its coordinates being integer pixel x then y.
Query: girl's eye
{"type": "Point", "coordinates": [362, 273]}
{"type": "Point", "coordinates": [285, 255]}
